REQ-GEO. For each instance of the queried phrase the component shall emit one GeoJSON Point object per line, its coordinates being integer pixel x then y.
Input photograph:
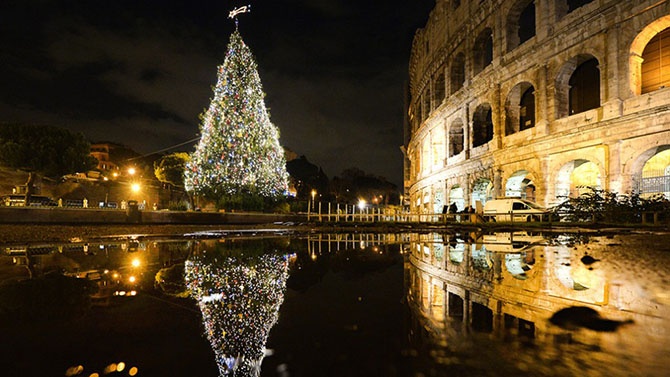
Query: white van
{"type": "Point", "coordinates": [514, 210]}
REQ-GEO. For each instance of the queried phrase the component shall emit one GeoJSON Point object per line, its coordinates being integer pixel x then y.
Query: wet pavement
{"type": "Point", "coordinates": [410, 304]}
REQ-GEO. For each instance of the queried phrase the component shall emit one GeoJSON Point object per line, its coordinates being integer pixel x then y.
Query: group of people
{"type": "Point", "coordinates": [453, 208]}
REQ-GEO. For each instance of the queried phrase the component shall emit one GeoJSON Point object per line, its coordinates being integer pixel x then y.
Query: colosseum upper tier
{"type": "Point", "coordinates": [539, 99]}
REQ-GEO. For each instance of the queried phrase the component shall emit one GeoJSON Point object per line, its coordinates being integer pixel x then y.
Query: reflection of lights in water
{"type": "Point", "coordinates": [516, 266]}
{"type": "Point", "coordinates": [109, 369]}
{"type": "Point", "coordinates": [564, 271]}
{"type": "Point", "coordinates": [481, 259]}
{"type": "Point", "coordinates": [124, 293]}
{"type": "Point", "coordinates": [239, 297]}
{"type": "Point", "coordinates": [136, 262]}
{"type": "Point", "coordinates": [456, 253]}
{"type": "Point", "coordinates": [439, 251]}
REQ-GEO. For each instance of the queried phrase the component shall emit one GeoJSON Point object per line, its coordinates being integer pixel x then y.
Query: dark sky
{"type": "Point", "coordinates": [140, 72]}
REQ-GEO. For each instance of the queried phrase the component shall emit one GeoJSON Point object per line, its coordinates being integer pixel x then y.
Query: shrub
{"type": "Point", "coordinates": [600, 205]}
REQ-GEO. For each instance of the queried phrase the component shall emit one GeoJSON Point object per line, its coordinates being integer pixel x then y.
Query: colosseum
{"type": "Point", "coordinates": [539, 99]}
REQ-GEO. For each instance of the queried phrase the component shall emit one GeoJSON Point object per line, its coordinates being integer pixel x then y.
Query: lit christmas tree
{"type": "Point", "coordinates": [239, 292]}
{"type": "Point", "coordinates": [239, 150]}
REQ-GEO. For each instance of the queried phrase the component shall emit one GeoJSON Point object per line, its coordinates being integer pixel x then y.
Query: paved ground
{"type": "Point", "coordinates": [36, 233]}
{"type": "Point", "coordinates": [11, 234]}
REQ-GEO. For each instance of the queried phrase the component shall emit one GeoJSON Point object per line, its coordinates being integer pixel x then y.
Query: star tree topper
{"type": "Point", "coordinates": [237, 11]}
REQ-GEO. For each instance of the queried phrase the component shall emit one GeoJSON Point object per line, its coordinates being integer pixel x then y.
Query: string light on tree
{"type": "Point", "coordinates": [239, 150]}
{"type": "Point", "coordinates": [239, 294]}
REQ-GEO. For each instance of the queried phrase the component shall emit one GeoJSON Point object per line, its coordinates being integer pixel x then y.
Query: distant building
{"type": "Point", "coordinates": [538, 99]}
{"type": "Point", "coordinates": [101, 152]}
{"type": "Point", "coordinates": [111, 156]}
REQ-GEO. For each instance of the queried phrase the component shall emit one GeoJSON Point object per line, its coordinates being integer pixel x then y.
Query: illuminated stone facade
{"type": "Point", "coordinates": [537, 99]}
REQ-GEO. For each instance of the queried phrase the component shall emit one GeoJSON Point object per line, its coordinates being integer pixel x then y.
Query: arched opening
{"type": "Point", "coordinates": [456, 195]}
{"type": "Point", "coordinates": [656, 62]}
{"type": "Point", "coordinates": [655, 177]}
{"type": "Point", "coordinates": [585, 87]}
{"type": "Point", "coordinates": [576, 178]}
{"type": "Point", "coordinates": [482, 125]}
{"type": "Point", "coordinates": [521, 186]}
{"type": "Point", "coordinates": [439, 90]}
{"type": "Point", "coordinates": [425, 205]}
{"type": "Point", "coordinates": [457, 76]}
{"type": "Point", "coordinates": [577, 86]}
{"type": "Point", "coordinates": [520, 23]}
{"type": "Point", "coordinates": [483, 50]}
{"type": "Point", "coordinates": [438, 201]}
{"type": "Point", "coordinates": [456, 138]}
{"type": "Point", "coordinates": [564, 7]}
{"type": "Point", "coordinates": [425, 99]}
{"type": "Point", "coordinates": [520, 108]}
{"type": "Point", "coordinates": [637, 48]}
{"type": "Point", "coordinates": [482, 191]}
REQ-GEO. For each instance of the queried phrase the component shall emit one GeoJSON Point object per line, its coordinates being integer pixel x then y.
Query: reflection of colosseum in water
{"type": "Point", "coordinates": [537, 99]}
{"type": "Point", "coordinates": [510, 284]}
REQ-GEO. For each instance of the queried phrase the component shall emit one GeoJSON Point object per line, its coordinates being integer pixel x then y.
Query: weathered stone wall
{"type": "Point", "coordinates": [614, 139]}
{"type": "Point", "coordinates": [55, 215]}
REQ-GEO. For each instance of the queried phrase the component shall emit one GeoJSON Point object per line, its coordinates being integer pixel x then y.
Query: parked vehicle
{"type": "Point", "coordinates": [18, 200]}
{"type": "Point", "coordinates": [514, 210]}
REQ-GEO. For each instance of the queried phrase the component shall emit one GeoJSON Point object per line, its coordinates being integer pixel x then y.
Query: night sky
{"type": "Point", "coordinates": [140, 72]}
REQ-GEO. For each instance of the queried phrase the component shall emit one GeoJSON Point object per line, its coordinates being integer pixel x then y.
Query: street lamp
{"type": "Point", "coordinates": [313, 196]}
{"type": "Point", "coordinates": [361, 204]}
{"type": "Point", "coordinates": [135, 187]}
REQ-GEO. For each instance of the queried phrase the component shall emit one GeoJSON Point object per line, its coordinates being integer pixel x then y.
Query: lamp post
{"type": "Point", "coordinates": [313, 196]}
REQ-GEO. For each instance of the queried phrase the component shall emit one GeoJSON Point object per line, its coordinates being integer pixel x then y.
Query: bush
{"type": "Point", "coordinates": [252, 202]}
{"type": "Point", "coordinates": [604, 206]}
{"type": "Point", "coordinates": [178, 206]}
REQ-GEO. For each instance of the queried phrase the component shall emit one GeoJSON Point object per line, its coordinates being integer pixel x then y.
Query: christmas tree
{"type": "Point", "coordinates": [239, 288]}
{"type": "Point", "coordinates": [239, 150]}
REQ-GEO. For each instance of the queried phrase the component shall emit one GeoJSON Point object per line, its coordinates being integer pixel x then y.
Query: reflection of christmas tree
{"type": "Point", "coordinates": [239, 150]}
{"type": "Point", "coordinates": [239, 295]}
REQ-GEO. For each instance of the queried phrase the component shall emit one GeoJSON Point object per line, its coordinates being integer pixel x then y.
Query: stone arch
{"type": "Point", "coordinates": [456, 138]}
{"type": "Point", "coordinates": [574, 177]}
{"type": "Point", "coordinates": [578, 86]}
{"type": "Point", "coordinates": [439, 89]}
{"type": "Point", "coordinates": [457, 195]}
{"type": "Point", "coordinates": [520, 108]}
{"type": "Point", "coordinates": [520, 23]}
{"type": "Point", "coordinates": [457, 73]}
{"type": "Point", "coordinates": [482, 191]}
{"type": "Point", "coordinates": [651, 172]}
{"type": "Point", "coordinates": [482, 51]}
{"type": "Point", "coordinates": [482, 125]}
{"type": "Point", "coordinates": [438, 199]}
{"type": "Point", "coordinates": [637, 49]}
{"type": "Point", "coordinates": [521, 184]}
